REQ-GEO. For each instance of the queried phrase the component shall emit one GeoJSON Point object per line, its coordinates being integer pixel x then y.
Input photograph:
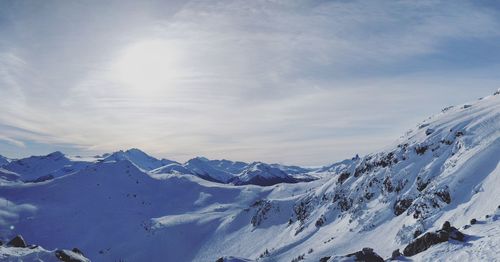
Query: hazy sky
{"type": "Point", "coordinates": [288, 81]}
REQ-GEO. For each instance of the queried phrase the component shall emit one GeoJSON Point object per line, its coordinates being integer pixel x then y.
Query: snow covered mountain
{"type": "Point", "coordinates": [205, 169]}
{"type": "Point", "coordinates": [262, 174]}
{"type": "Point", "coordinates": [139, 158]}
{"type": "Point", "coordinates": [237, 172]}
{"type": "Point", "coordinates": [39, 168]}
{"type": "Point", "coordinates": [445, 169]}
{"type": "Point", "coordinates": [3, 160]}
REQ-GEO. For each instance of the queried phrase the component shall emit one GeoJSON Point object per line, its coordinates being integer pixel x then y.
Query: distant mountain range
{"type": "Point", "coordinates": [56, 164]}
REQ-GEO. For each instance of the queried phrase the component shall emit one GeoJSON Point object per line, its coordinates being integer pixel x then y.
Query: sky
{"type": "Point", "coordinates": [282, 81]}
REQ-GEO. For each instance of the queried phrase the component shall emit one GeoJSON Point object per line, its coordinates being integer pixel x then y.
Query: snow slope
{"type": "Point", "coordinates": [445, 169]}
{"type": "Point", "coordinates": [52, 165]}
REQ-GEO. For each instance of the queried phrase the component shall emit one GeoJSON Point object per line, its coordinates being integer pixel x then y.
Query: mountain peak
{"type": "Point", "coordinates": [138, 158]}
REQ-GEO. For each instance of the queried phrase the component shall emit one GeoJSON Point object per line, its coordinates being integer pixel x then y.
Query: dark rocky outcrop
{"type": "Point", "coordinates": [324, 259]}
{"type": "Point", "coordinates": [432, 238]}
{"type": "Point", "coordinates": [78, 251]}
{"type": "Point", "coordinates": [343, 177]}
{"type": "Point", "coordinates": [423, 243]}
{"type": "Point", "coordinates": [40, 179]}
{"type": "Point", "coordinates": [395, 254]}
{"type": "Point", "coordinates": [320, 222]}
{"type": "Point", "coordinates": [402, 205]}
{"type": "Point", "coordinates": [17, 241]}
{"type": "Point", "coordinates": [366, 255]}
{"type": "Point", "coordinates": [473, 221]}
{"type": "Point", "coordinates": [69, 256]}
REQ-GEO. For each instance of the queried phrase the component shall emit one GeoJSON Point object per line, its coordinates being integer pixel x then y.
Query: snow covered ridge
{"type": "Point", "coordinates": [445, 169]}
{"type": "Point", "coordinates": [36, 169]}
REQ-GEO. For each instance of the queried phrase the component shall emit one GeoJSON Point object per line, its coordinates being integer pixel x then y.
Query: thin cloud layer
{"type": "Point", "coordinates": [302, 82]}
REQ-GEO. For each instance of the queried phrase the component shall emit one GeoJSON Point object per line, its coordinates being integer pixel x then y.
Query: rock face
{"type": "Point", "coordinates": [430, 239]}
{"type": "Point", "coordinates": [17, 241]}
{"type": "Point", "coordinates": [26, 252]}
{"type": "Point", "coordinates": [395, 254]}
{"type": "Point", "coordinates": [324, 259]}
{"type": "Point", "coordinates": [78, 251]}
{"type": "Point", "coordinates": [70, 256]}
{"type": "Point", "coordinates": [366, 255]}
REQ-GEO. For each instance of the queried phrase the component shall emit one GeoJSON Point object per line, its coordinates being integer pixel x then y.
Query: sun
{"type": "Point", "coordinates": [148, 67]}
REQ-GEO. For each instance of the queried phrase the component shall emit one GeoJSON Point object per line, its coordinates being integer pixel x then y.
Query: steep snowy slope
{"type": "Point", "coordinates": [446, 169]}
{"type": "Point", "coordinates": [139, 158]}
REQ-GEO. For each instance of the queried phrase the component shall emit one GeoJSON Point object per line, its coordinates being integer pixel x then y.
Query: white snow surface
{"type": "Point", "coordinates": [117, 210]}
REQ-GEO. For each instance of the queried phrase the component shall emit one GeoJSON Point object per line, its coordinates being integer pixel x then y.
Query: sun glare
{"type": "Point", "coordinates": [147, 67]}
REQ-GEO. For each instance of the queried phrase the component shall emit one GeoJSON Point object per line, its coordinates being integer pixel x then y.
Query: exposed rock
{"type": "Point", "coordinates": [366, 255]}
{"type": "Point", "coordinates": [395, 254]}
{"type": "Point", "coordinates": [429, 131]}
{"type": "Point", "coordinates": [401, 206]}
{"type": "Point", "coordinates": [421, 149]}
{"type": "Point", "coordinates": [473, 221]}
{"type": "Point", "coordinates": [40, 179]}
{"type": "Point", "coordinates": [444, 195]}
{"type": "Point", "coordinates": [17, 241]}
{"type": "Point", "coordinates": [78, 251]}
{"type": "Point", "coordinates": [221, 259]}
{"type": "Point", "coordinates": [417, 233]}
{"type": "Point", "coordinates": [343, 177]}
{"type": "Point", "coordinates": [263, 207]}
{"type": "Point", "coordinates": [324, 259]}
{"type": "Point", "coordinates": [457, 235]}
{"type": "Point", "coordinates": [423, 243]}
{"type": "Point", "coordinates": [320, 221]}
{"type": "Point", "coordinates": [70, 256]}
{"type": "Point", "coordinates": [432, 238]}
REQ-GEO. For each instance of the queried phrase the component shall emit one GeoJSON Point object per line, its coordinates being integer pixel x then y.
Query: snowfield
{"type": "Point", "coordinates": [128, 206]}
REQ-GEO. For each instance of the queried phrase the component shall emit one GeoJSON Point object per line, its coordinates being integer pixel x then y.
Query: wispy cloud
{"type": "Point", "coordinates": [305, 82]}
{"type": "Point", "coordinates": [12, 141]}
